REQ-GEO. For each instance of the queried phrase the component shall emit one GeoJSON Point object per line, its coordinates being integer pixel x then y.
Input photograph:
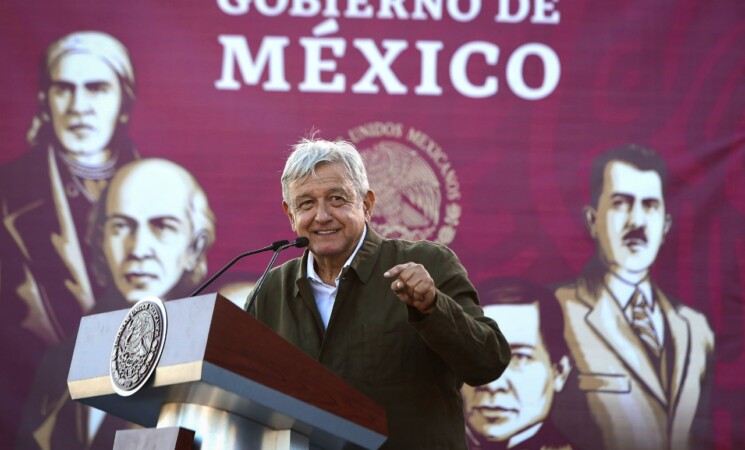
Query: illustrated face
{"type": "Point", "coordinates": [326, 210]}
{"type": "Point", "coordinates": [523, 395]}
{"type": "Point", "coordinates": [147, 235]}
{"type": "Point", "coordinates": [85, 99]}
{"type": "Point", "coordinates": [630, 222]}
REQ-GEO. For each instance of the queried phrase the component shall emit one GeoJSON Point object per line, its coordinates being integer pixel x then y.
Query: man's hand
{"type": "Point", "coordinates": [413, 285]}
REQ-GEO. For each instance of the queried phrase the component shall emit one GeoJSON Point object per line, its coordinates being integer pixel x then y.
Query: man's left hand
{"type": "Point", "coordinates": [413, 285]}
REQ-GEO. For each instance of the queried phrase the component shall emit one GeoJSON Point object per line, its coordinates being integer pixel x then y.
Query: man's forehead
{"type": "Point", "coordinates": [147, 203]}
{"type": "Point", "coordinates": [323, 181]}
{"type": "Point", "coordinates": [82, 66]}
{"type": "Point", "coordinates": [621, 177]}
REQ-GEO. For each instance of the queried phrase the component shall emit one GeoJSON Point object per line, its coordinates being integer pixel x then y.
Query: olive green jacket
{"type": "Point", "coordinates": [412, 365]}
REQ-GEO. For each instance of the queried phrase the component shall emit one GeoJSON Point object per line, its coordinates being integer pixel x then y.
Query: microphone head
{"type": "Point", "coordinates": [276, 245]}
{"type": "Point", "coordinates": [301, 242]}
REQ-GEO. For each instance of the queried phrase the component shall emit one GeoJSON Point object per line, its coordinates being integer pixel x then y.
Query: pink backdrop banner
{"type": "Point", "coordinates": [478, 121]}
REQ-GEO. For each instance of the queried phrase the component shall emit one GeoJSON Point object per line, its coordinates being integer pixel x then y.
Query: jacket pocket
{"type": "Point", "coordinates": [599, 382]}
{"type": "Point", "coordinates": [393, 353]}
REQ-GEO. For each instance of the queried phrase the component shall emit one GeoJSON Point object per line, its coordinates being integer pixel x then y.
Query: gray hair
{"type": "Point", "coordinates": [101, 45]}
{"type": "Point", "coordinates": [310, 153]}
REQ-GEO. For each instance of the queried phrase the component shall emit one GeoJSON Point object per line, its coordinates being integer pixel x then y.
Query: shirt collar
{"type": "Point", "coordinates": [524, 435]}
{"type": "Point", "coordinates": [623, 290]}
{"type": "Point", "coordinates": [311, 270]}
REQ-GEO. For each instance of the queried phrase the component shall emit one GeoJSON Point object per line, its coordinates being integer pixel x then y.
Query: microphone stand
{"type": "Point", "coordinates": [299, 242]}
{"type": "Point", "coordinates": [276, 246]}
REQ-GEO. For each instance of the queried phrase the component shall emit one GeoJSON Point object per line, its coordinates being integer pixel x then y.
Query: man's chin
{"type": "Point", "coordinates": [136, 295]}
{"type": "Point", "coordinates": [636, 268]}
{"type": "Point", "coordinates": [83, 150]}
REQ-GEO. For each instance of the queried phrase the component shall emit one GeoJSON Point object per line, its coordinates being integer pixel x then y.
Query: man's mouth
{"type": "Point", "coordinates": [80, 128]}
{"type": "Point", "coordinates": [496, 412]}
{"type": "Point", "coordinates": [139, 277]}
{"type": "Point", "coordinates": [635, 238]}
{"type": "Point", "coordinates": [325, 232]}
{"type": "Point", "coordinates": [635, 242]}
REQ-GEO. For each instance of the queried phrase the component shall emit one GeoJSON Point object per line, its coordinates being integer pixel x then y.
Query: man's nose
{"type": "Point", "coordinates": [142, 244]}
{"type": "Point", "coordinates": [323, 213]}
{"type": "Point", "coordinates": [80, 102]}
{"type": "Point", "coordinates": [501, 384]}
{"type": "Point", "coordinates": [637, 217]}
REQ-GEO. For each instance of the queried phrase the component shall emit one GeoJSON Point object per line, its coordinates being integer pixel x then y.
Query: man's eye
{"type": "Point", "coordinates": [304, 206]}
{"type": "Point", "coordinates": [58, 90]}
{"type": "Point", "coordinates": [98, 87]}
{"type": "Point", "coordinates": [164, 225]}
{"type": "Point", "coordinates": [521, 358]}
{"type": "Point", "coordinates": [337, 200]}
{"type": "Point", "coordinates": [118, 227]}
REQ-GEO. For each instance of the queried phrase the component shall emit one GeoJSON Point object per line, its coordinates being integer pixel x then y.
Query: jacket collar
{"type": "Point", "coordinates": [362, 265]}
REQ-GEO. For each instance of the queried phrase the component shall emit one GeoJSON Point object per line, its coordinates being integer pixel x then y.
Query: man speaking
{"type": "Point", "coordinates": [397, 319]}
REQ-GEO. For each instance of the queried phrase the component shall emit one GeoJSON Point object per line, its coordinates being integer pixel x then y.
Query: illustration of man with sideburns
{"type": "Point", "coordinates": [642, 359]}
{"type": "Point", "coordinates": [78, 139]}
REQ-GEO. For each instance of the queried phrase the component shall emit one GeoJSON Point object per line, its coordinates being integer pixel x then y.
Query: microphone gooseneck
{"type": "Point", "coordinates": [300, 242]}
{"type": "Point", "coordinates": [275, 245]}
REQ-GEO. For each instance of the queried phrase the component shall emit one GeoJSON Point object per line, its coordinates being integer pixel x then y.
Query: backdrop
{"type": "Point", "coordinates": [478, 120]}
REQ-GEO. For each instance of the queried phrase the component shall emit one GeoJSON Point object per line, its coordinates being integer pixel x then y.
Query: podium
{"type": "Point", "coordinates": [231, 380]}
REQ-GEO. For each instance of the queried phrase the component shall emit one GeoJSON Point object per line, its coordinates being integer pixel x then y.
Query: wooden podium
{"type": "Point", "coordinates": [231, 380]}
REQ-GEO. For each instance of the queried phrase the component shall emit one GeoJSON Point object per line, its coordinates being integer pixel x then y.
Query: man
{"type": "Point", "coordinates": [149, 234]}
{"type": "Point", "coordinates": [643, 359]}
{"type": "Point", "coordinates": [78, 139]}
{"type": "Point", "coordinates": [397, 319]}
{"type": "Point", "coordinates": [512, 412]}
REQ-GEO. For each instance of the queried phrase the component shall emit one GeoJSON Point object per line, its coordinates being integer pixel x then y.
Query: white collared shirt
{"type": "Point", "coordinates": [524, 435]}
{"type": "Point", "coordinates": [324, 294]}
{"type": "Point", "coordinates": [623, 292]}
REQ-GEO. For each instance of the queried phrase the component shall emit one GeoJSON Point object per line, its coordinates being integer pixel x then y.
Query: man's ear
{"type": "Point", "coordinates": [196, 251]}
{"type": "Point", "coordinates": [591, 217]}
{"type": "Point", "coordinates": [41, 97]}
{"type": "Point", "coordinates": [561, 371]}
{"type": "Point", "coordinates": [367, 204]}
{"type": "Point", "coordinates": [289, 214]}
{"type": "Point", "coordinates": [668, 224]}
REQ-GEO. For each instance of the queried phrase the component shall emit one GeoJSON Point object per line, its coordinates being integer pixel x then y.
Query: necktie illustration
{"type": "Point", "coordinates": [641, 321]}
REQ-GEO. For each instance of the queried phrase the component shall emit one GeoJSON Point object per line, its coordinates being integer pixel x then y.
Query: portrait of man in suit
{"type": "Point", "coordinates": [149, 235]}
{"type": "Point", "coordinates": [513, 412]}
{"type": "Point", "coordinates": [643, 359]}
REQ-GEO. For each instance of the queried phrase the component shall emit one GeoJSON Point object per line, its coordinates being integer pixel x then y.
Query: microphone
{"type": "Point", "coordinates": [275, 246]}
{"type": "Point", "coordinates": [300, 242]}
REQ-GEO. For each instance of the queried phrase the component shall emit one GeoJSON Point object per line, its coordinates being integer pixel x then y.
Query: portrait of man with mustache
{"type": "Point", "coordinates": [642, 359]}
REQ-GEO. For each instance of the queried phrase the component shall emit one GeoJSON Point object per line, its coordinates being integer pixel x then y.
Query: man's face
{"type": "Point", "coordinates": [85, 99]}
{"type": "Point", "coordinates": [326, 210]}
{"type": "Point", "coordinates": [630, 222]}
{"type": "Point", "coordinates": [523, 395]}
{"type": "Point", "coordinates": [147, 235]}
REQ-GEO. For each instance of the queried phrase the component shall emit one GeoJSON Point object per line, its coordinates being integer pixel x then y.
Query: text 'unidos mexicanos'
{"type": "Point", "coordinates": [475, 69]}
